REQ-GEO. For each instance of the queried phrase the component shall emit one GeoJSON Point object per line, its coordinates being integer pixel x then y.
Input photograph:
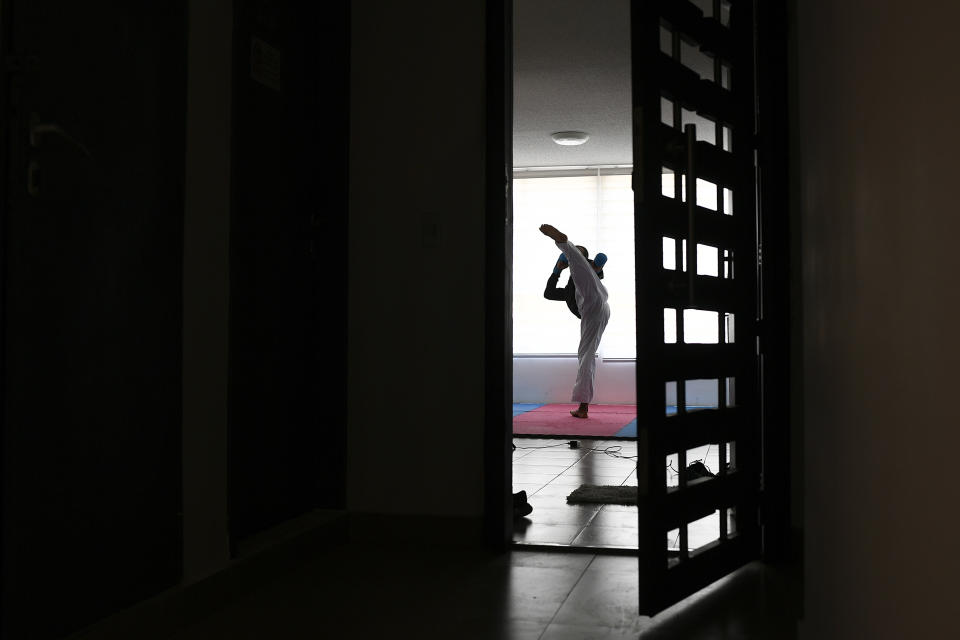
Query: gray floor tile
{"type": "Point", "coordinates": [557, 491]}
{"type": "Point", "coordinates": [544, 515]}
{"type": "Point", "coordinates": [625, 519]}
{"type": "Point", "coordinates": [536, 593]}
{"type": "Point", "coordinates": [548, 534]}
{"type": "Point", "coordinates": [612, 564]}
{"type": "Point", "coordinates": [602, 598]}
{"type": "Point", "coordinates": [529, 487]}
{"type": "Point", "coordinates": [578, 561]}
{"type": "Point", "coordinates": [568, 481]}
{"type": "Point", "coordinates": [530, 478]}
{"type": "Point", "coordinates": [614, 537]}
{"type": "Point", "coordinates": [358, 592]}
{"type": "Point", "coordinates": [557, 631]}
{"type": "Point", "coordinates": [553, 469]}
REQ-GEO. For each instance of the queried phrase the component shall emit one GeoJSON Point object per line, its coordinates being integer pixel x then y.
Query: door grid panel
{"type": "Point", "coordinates": [695, 209]}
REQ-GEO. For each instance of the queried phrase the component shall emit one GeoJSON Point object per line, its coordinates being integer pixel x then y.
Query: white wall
{"type": "Point", "coordinates": [547, 380]}
{"type": "Point", "coordinates": [416, 272]}
{"type": "Point", "coordinates": [543, 380]}
{"type": "Point", "coordinates": [878, 134]}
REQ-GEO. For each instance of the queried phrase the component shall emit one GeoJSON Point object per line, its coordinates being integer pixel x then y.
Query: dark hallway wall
{"type": "Point", "coordinates": [417, 266]}
{"type": "Point", "coordinates": [877, 123]}
{"type": "Point", "coordinates": [174, 308]}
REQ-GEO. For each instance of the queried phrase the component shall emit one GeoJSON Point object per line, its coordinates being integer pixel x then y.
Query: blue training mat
{"type": "Point", "coordinates": [629, 431]}
{"type": "Point", "coordinates": [523, 407]}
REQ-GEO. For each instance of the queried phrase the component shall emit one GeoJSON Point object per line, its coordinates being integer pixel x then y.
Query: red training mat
{"type": "Point", "coordinates": [555, 420]}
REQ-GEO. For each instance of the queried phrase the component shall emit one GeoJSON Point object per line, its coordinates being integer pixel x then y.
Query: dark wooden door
{"type": "Point", "coordinates": [92, 204]}
{"type": "Point", "coordinates": [288, 262]}
{"type": "Point", "coordinates": [697, 304]}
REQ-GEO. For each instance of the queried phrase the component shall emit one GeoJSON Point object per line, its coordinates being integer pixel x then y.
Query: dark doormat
{"type": "Point", "coordinates": [603, 494]}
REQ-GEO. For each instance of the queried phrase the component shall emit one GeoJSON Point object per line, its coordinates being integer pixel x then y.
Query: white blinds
{"type": "Point", "coordinates": [596, 212]}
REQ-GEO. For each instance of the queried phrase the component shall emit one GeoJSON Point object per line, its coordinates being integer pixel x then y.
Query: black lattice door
{"type": "Point", "coordinates": [697, 276]}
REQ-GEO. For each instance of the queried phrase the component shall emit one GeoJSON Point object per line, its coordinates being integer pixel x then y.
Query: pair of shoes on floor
{"type": "Point", "coordinates": [521, 507]}
{"type": "Point", "coordinates": [697, 469]}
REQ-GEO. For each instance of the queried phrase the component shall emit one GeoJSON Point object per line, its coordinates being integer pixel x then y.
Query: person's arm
{"type": "Point", "coordinates": [598, 262]}
{"type": "Point", "coordinates": [599, 272]}
{"type": "Point", "coordinates": [581, 271]}
{"type": "Point", "coordinates": [552, 292]}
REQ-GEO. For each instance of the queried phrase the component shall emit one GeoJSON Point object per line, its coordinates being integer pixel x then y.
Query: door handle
{"type": "Point", "coordinates": [38, 128]}
{"type": "Point", "coordinates": [691, 195]}
{"type": "Point", "coordinates": [33, 168]}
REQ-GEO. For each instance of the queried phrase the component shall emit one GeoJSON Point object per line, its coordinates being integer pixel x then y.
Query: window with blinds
{"type": "Point", "coordinates": [595, 211]}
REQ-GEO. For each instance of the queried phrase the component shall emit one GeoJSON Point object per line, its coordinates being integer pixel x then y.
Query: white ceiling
{"type": "Point", "coordinates": [571, 73]}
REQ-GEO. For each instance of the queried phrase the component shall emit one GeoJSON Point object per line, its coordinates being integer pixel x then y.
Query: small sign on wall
{"type": "Point", "coordinates": [266, 64]}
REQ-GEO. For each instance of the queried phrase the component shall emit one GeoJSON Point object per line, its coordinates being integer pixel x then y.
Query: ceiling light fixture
{"type": "Point", "coordinates": [568, 138]}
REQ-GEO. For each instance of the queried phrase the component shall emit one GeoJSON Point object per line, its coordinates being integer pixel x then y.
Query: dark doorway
{"type": "Point", "coordinates": [686, 107]}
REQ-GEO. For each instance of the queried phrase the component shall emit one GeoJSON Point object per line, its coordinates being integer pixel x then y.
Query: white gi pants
{"type": "Point", "coordinates": [594, 315]}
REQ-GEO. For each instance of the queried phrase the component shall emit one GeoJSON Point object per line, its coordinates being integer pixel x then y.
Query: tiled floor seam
{"type": "Point", "coordinates": [567, 597]}
{"type": "Point", "coordinates": [570, 466]}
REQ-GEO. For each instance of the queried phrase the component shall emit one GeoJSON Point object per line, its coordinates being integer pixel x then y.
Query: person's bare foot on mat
{"type": "Point", "coordinates": [580, 412]}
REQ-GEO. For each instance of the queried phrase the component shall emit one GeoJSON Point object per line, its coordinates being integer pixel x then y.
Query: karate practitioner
{"type": "Point", "coordinates": [591, 298]}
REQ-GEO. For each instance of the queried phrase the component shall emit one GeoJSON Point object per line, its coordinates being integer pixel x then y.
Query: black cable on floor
{"type": "Point", "coordinates": [548, 446]}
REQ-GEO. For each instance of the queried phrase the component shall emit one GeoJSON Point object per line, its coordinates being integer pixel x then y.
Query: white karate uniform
{"type": "Point", "coordinates": [594, 315]}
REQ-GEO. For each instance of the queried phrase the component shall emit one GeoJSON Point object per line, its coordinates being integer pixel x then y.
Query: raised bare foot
{"type": "Point", "coordinates": [578, 413]}
{"type": "Point", "coordinates": [551, 232]}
